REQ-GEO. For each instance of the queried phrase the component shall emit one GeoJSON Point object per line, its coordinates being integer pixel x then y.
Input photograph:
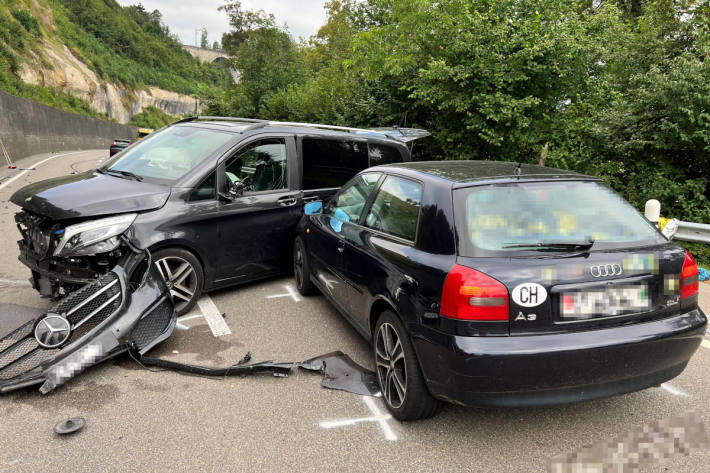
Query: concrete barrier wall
{"type": "Point", "coordinates": [28, 127]}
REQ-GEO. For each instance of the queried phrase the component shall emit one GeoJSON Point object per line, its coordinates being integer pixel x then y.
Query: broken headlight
{"type": "Point", "coordinates": [90, 238]}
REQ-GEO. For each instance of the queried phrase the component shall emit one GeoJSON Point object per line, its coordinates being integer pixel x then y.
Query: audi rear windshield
{"type": "Point", "coordinates": [547, 217]}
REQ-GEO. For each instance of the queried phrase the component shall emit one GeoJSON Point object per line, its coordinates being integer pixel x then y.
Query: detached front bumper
{"type": "Point", "coordinates": [551, 369]}
{"type": "Point", "coordinates": [102, 319]}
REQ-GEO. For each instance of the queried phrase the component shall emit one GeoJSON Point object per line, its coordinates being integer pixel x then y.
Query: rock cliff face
{"type": "Point", "coordinates": [56, 66]}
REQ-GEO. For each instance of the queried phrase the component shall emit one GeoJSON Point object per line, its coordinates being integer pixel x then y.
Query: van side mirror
{"type": "Point", "coordinates": [235, 189]}
{"type": "Point", "coordinates": [312, 208]}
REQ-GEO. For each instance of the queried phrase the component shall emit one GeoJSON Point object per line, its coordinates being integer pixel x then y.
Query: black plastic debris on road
{"type": "Point", "coordinates": [281, 370]}
{"type": "Point", "coordinates": [70, 426]}
{"type": "Point", "coordinates": [341, 372]}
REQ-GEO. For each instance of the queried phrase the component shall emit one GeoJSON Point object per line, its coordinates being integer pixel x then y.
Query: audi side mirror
{"type": "Point", "coordinates": [312, 208]}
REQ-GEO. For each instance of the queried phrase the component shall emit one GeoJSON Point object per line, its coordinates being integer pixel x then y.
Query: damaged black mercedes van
{"type": "Point", "coordinates": [215, 200]}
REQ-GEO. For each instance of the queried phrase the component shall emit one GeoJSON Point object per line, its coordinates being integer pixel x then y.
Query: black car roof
{"type": "Point", "coordinates": [459, 171]}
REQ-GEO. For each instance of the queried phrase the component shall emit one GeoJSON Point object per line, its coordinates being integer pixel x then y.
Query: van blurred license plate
{"type": "Point", "coordinates": [609, 301]}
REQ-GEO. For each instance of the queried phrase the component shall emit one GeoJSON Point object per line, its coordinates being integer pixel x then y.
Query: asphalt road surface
{"type": "Point", "coordinates": [142, 420]}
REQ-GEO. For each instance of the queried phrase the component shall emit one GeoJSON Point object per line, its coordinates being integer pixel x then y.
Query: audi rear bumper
{"type": "Point", "coordinates": [538, 370]}
{"type": "Point", "coordinates": [104, 317]}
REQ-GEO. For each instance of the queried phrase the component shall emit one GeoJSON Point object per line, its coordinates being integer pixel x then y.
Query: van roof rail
{"type": "Point", "coordinates": [405, 135]}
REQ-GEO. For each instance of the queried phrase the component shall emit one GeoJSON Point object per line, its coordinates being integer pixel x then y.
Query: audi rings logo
{"type": "Point", "coordinates": [606, 270]}
{"type": "Point", "coordinates": [52, 331]}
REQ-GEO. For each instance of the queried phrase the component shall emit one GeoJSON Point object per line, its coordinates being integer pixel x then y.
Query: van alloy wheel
{"type": "Point", "coordinates": [391, 366]}
{"type": "Point", "coordinates": [180, 277]}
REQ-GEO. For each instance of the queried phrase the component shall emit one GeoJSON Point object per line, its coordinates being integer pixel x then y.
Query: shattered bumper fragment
{"type": "Point", "coordinates": [101, 320]}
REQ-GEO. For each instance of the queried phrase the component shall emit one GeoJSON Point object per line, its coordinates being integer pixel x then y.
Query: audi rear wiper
{"type": "Point", "coordinates": [126, 173]}
{"type": "Point", "coordinates": [554, 245]}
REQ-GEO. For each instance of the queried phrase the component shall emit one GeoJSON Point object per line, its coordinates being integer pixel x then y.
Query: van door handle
{"type": "Point", "coordinates": [341, 246]}
{"type": "Point", "coordinates": [287, 201]}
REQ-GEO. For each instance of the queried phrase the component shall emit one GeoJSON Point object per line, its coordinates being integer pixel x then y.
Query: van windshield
{"type": "Point", "coordinates": [166, 156]}
{"type": "Point", "coordinates": [533, 217]}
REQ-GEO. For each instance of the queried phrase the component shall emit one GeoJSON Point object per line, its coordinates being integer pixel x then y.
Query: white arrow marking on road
{"type": "Point", "coordinates": [213, 317]}
{"type": "Point", "coordinates": [290, 292]}
{"type": "Point", "coordinates": [674, 390]}
{"type": "Point", "coordinates": [377, 416]}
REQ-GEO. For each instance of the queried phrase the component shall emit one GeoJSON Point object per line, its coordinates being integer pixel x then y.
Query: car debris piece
{"type": "Point", "coordinates": [69, 426]}
{"type": "Point", "coordinates": [240, 369]}
{"type": "Point", "coordinates": [130, 306]}
{"type": "Point", "coordinates": [341, 372]}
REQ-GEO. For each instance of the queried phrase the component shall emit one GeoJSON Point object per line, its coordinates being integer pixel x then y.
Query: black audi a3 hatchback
{"type": "Point", "coordinates": [215, 200]}
{"type": "Point", "coordinates": [493, 283]}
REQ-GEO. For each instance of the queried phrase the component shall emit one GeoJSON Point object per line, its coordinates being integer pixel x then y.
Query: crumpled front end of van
{"type": "Point", "coordinates": [127, 308]}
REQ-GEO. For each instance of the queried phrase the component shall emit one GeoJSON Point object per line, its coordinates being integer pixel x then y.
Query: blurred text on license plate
{"type": "Point", "coordinates": [609, 301]}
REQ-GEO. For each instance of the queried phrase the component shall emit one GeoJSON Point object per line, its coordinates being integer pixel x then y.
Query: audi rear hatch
{"type": "Point", "coordinates": [565, 255]}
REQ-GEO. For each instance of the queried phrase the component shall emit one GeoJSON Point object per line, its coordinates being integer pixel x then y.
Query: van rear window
{"type": "Point", "coordinates": [525, 217]}
{"type": "Point", "coordinates": [331, 163]}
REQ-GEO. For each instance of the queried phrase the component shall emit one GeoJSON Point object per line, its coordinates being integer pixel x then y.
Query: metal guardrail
{"type": "Point", "coordinates": [688, 231]}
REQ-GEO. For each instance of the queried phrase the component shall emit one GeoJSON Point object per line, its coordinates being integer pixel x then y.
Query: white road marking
{"type": "Point", "coordinates": [674, 390]}
{"type": "Point", "coordinates": [213, 317]}
{"type": "Point", "coordinates": [705, 344]}
{"type": "Point", "coordinates": [37, 164]}
{"type": "Point", "coordinates": [14, 282]}
{"type": "Point", "coordinates": [290, 292]}
{"type": "Point", "coordinates": [377, 416]}
{"type": "Point", "coordinates": [180, 326]}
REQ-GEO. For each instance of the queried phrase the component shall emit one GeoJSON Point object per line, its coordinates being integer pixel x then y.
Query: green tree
{"type": "Point", "coordinates": [204, 42]}
{"type": "Point", "coordinates": [266, 57]}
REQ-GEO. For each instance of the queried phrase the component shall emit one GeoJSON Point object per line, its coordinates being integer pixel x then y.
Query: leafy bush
{"type": "Point", "coordinates": [151, 117]}
{"type": "Point", "coordinates": [28, 21]}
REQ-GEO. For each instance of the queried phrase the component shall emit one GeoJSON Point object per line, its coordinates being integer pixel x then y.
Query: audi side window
{"type": "Point", "coordinates": [349, 203]}
{"type": "Point", "coordinates": [260, 166]}
{"type": "Point", "coordinates": [331, 163]}
{"type": "Point", "coordinates": [383, 154]}
{"type": "Point", "coordinates": [205, 191]}
{"type": "Point", "coordinates": [395, 209]}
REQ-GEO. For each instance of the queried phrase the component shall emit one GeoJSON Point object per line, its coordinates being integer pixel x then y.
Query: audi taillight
{"type": "Point", "coordinates": [689, 277]}
{"type": "Point", "coordinates": [471, 295]}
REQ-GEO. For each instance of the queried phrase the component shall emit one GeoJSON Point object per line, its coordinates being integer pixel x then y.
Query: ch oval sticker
{"type": "Point", "coordinates": [529, 294]}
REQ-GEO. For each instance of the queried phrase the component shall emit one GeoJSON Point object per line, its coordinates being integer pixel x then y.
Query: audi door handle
{"type": "Point", "coordinates": [341, 246]}
{"type": "Point", "coordinates": [287, 201]}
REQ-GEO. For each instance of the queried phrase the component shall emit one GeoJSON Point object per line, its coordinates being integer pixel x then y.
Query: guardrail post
{"type": "Point", "coordinates": [653, 211]}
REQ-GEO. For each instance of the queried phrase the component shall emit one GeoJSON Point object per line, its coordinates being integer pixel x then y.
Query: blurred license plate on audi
{"type": "Point", "coordinates": [604, 302]}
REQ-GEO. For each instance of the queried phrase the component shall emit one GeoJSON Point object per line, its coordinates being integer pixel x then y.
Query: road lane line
{"type": "Point", "coordinates": [36, 165]}
{"type": "Point", "coordinates": [213, 317]}
{"type": "Point", "coordinates": [674, 390]}
{"type": "Point", "coordinates": [14, 282]}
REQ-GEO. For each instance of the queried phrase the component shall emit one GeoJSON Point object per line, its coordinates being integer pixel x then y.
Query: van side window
{"type": "Point", "coordinates": [331, 163]}
{"type": "Point", "coordinates": [205, 191]}
{"type": "Point", "coordinates": [395, 209]}
{"type": "Point", "coordinates": [260, 166]}
{"type": "Point", "coordinates": [383, 154]}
